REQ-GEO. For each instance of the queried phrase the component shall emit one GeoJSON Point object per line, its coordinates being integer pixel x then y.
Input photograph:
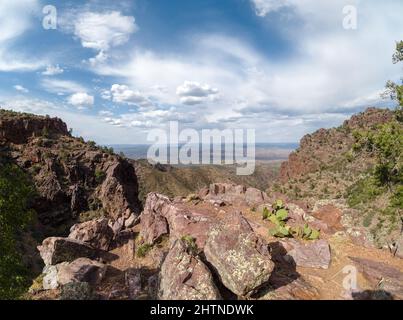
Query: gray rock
{"type": "Point", "coordinates": [239, 256]}
{"type": "Point", "coordinates": [81, 270]}
{"type": "Point", "coordinates": [56, 250]}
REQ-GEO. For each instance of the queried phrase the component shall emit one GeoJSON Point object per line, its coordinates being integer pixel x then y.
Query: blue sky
{"type": "Point", "coordinates": [115, 70]}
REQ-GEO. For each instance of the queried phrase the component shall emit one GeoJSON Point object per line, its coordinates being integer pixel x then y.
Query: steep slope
{"type": "Point", "coordinates": [336, 164]}
{"type": "Point", "coordinates": [181, 181]}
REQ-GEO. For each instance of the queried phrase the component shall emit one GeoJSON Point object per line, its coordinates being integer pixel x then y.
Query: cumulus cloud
{"type": "Point", "coordinates": [52, 70]}
{"type": "Point", "coordinates": [123, 94]}
{"type": "Point", "coordinates": [81, 100]}
{"type": "Point", "coordinates": [103, 31]}
{"type": "Point", "coordinates": [192, 92]}
{"type": "Point", "coordinates": [21, 88]}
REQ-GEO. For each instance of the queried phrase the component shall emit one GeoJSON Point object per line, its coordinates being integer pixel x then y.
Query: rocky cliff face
{"type": "Point", "coordinates": [328, 165]}
{"type": "Point", "coordinates": [74, 180]}
{"type": "Point", "coordinates": [328, 147]}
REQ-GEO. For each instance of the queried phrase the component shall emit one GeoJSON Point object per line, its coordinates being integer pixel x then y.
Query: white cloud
{"type": "Point", "coordinates": [61, 86]}
{"type": "Point", "coordinates": [123, 94]}
{"type": "Point", "coordinates": [192, 92]}
{"type": "Point", "coordinates": [105, 113]}
{"type": "Point", "coordinates": [81, 100]}
{"type": "Point", "coordinates": [52, 70]}
{"type": "Point", "coordinates": [16, 18]}
{"type": "Point", "coordinates": [103, 31]}
{"type": "Point", "coordinates": [263, 7]}
{"type": "Point", "coordinates": [21, 88]}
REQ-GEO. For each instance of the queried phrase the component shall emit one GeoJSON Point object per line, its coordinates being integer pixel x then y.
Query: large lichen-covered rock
{"type": "Point", "coordinates": [55, 250]}
{"type": "Point", "coordinates": [96, 233]}
{"type": "Point", "coordinates": [184, 276]}
{"type": "Point", "coordinates": [77, 291]}
{"type": "Point", "coordinates": [241, 258]}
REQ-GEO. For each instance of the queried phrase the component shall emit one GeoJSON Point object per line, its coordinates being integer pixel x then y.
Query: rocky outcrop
{"type": "Point", "coordinates": [118, 192]}
{"type": "Point", "coordinates": [153, 224]}
{"type": "Point", "coordinates": [56, 250]}
{"type": "Point", "coordinates": [325, 146]}
{"type": "Point", "coordinates": [72, 177]}
{"type": "Point", "coordinates": [96, 233]}
{"type": "Point", "coordinates": [184, 276]}
{"type": "Point", "coordinates": [234, 194]}
{"type": "Point", "coordinates": [240, 258]}
{"type": "Point", "coordinates": [161, 216]}
{"type": "Point", "coordinates": [18, 128]}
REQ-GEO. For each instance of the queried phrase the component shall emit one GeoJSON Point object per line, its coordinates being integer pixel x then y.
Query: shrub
{"type": "Point", "coordinates": [99, 176]}
{"type": "Point", "coordinates": [143, 249]}
{"type": "Point", "coordinates": [15, 193]}
{"type": "Point", "coordinates": [191, 244]}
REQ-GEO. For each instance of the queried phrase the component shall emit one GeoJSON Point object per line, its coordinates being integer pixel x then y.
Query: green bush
{"type": "Point", "coordinates": [143, 249]}
{"type": "Point", "coordinates": [15, 194]}
{"type": "Point", "coordinates": [99, 176]}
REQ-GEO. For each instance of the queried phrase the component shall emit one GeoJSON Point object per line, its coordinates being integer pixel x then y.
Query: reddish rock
{"type": "Point", "coordinates": [153, 224]}
{"type": "Point", "coordinates": [184, 276]}
{"type": "Point", "coordinates": [381, 276]}
{"type": "Point", "coordinates": [18, 129]}
{"type": "Point", "coordinates": [234, 194]}
{"type": "Point", "coordinates": [313, 254]}
{"type": "Point", "coordinates": [331, 216]}
{"type": "Point", "coordinates": [161, 216]}
{"type": "Point", "coordinates": [56, 250]}
{"type": "Point", "coordinates": [96, 233]}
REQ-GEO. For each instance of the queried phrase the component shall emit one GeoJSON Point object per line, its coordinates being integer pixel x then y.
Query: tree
{"type": "Point", "coordinates": [15, 194]}
{"type": "Point", "coordinates": [394, 90]}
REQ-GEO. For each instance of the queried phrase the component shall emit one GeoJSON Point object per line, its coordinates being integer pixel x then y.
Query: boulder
{"type": "Point", "coordinates": [81, 270]}
{"type": "Point", "coordinates": [96, 233]}
{"type": "Point", "coordinates": [161, 216]}
{"type": "Point", "coordinates": [234, 194]}
{"type": "Point", "coordinates": [331, 216]}
{"type": "Point", "coordinates": [50, 280]}
{"type": "Point", "coordinates": [118, 192]}
{"type": "Point", "coordinates": [381, 276]}
{"type": "Point", "coordinates": [254, 196]}
{"type": "Point", "coordinates": [240, 258]}
{"type": "Point", "coordinates": [153, 225]}
{"type": "Point", "coordinates": [184, 276]}
{"type": "Point", "coordinates": [55, 250]}
{"type": "Point", "coordinates": [315, 254]}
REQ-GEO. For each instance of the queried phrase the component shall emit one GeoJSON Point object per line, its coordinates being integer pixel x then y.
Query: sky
{"type": "Point", "coordinates": [115, 70]}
